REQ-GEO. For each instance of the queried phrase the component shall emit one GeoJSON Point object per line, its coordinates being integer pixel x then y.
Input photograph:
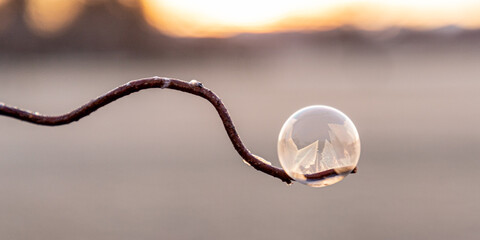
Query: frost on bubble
{"type": "Point", "coordinates": [316, 139]}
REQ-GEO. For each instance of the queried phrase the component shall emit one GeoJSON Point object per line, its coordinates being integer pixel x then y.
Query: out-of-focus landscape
{"type": "Point", "coordinates": [158, 164]}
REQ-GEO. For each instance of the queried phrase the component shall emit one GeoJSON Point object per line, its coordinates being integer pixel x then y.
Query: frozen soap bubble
{"type": "Point", "coordinates": [318, 146]}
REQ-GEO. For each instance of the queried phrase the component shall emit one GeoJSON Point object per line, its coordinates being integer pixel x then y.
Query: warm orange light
{"type": "Point", "coordinates": [50, 16]}
{"type": "Point", "coordinates": [191, 18]}
{"type": "Point", "coordinates": [3, 2]}
{"type": "Point", "coordinates": [220, 18]}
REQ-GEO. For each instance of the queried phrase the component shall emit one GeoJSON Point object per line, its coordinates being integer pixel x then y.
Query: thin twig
{"type": "Point", "coordinates": [193, 87]}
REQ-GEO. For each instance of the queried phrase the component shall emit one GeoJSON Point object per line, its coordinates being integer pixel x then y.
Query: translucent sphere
{"type": "Point", "coordinates": [318, 146]}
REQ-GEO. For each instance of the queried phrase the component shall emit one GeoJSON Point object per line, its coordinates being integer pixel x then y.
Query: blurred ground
{"type": "Point", "coordinates": [158, 164]}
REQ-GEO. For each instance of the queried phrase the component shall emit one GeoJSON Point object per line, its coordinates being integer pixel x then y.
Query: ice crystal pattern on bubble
{"type": "Point", "coordinates": [317, 139]}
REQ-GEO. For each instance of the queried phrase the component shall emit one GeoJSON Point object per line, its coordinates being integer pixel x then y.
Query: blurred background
{"type": "Point", "coordinates": [158, 164]}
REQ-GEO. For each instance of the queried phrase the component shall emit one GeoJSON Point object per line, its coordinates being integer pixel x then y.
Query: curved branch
{"type": "Point", "coordinates": [193, 87]}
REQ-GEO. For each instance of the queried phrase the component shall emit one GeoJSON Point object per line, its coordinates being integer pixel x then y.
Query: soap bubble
{"type": "Point", "coordinates": [318, 146]}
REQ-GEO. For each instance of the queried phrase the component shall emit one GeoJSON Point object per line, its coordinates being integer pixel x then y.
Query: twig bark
{"type": "Point", "coordinates": [193, 87]}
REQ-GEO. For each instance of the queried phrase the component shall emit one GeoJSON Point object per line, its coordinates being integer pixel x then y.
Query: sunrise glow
{"type": "Point", "coordinates": [218, 18]}
{"type": "Point", "coordinates": [50, 16]}
{"type": "Point", "coordinates": [191, 18]}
